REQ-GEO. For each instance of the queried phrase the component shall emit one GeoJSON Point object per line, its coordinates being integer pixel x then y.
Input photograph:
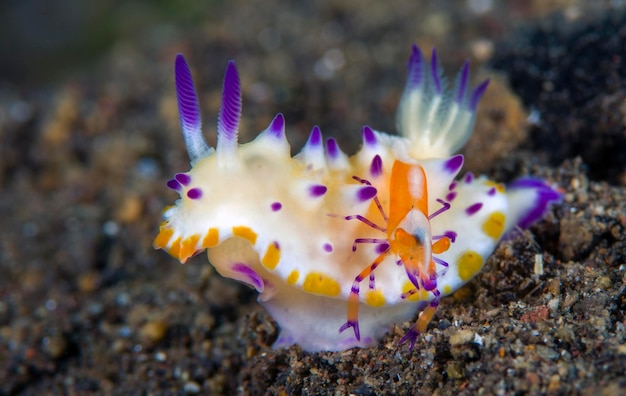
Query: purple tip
{"type": "Point", "coordinates": [435, 72]}
{"type": "Point", "coordinates": [228, 121]}
{"type": "Point", "coordinates": [194, 193]}
{"type": "Point", "coordinates": [452, 186]}
{"type": "Point", "coordinates": [366, 193]}
{"type": "Point", "coordinates": [473, 208]}
{"type": "Point", "coordinates": [491, 192]}
{"type": "Point", "coordinates": [376, 168]}
{"type": "Point", "coordinates": [545, 196]}
{"type": "Point", "coordinates": [318, 190]}
{"type": "Point", "coordinates": [276, 206]}
{"type": "Point", "coordinates": [453, 164]}
{"type": "Point", "coordinates": [253, 277]}
{"type": "Point", "coordinates": [416, 68]}
{"type": "Point", "coordinates": [469, 177]}
{"type": "Point", "coordinates": [174, 185]}
{"type": "Point", "coordinates": [478, 93]}
{"type": "Point", "coordinates": [328, 247]}
{"type": "Point", "coordinates": [450, 196]}
{"type": "Point", "coordinates": [315, 138]}
{"type": "Point", "coordinates": [277, 126]}
{"type": "Point", "coordinates": [183, 178]}
{"type": "Point", "coordinates": [369, 138]}
{"type": "Point", "coordinates": [332, 148]}
{"type": "Point", "coordinates": [463, 82]}
{"type": "Point", "coordinates": [188, 108]}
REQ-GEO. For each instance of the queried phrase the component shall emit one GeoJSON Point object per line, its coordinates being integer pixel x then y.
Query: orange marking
{"type": "Point", "coordinates": [211, 239]}
{"type": "Point", "coordinates": [188, 247]}
{"type": "Point", "coordinates": [245, 233]}
{"type": "Point", "coordinates": [174, 250]}
{"type": "Point", "coordinates": [161, 240]}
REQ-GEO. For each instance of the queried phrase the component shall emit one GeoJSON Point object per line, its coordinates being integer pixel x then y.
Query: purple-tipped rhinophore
{"type": "Point", "coordinates": [369, 138]}
{"type": "Point", "coordinates": [416, 68]}
{"type": "Point", "coordinates": [460, 94]}
{"type": "Point", "coordinates": [477, 94]}
{"type": "Point", "coordinates": [230, 112]}
{"type": "Point", "coordinates": [189, 110]}
{"type": "Point", "coordinates": [434, 69]}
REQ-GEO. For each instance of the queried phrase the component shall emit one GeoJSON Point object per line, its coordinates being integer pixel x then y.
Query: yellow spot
{"type": "Point", "coordinates": [420, 295]}
{"type": "Point", "coordinates": [175, 249]}
{"type": "Point", "coordinates": [494, 225]}
{"type": "Point", "coordinates": [447, 290]}
{"type": "Point", "coordinates": [212, 238]}
{"type": "Point", "coordinates": [375, 298]}
{"type": "Point", "coordinates": [293, 277]}
{"type": "Point", "coordinates": [161, 240]}
{"type": "Point", "coordinates": [469, 264]}
{"type": "Point", "coordinates": [316, 282]}
{"type": "Point", "coordinates": [272, 256]}
{"type": "Point", "coordinates": [499, 186]}
{"type": "Point", "coordinates": [245, 233]}
{"type": "Point", "coordinates": [188, 247]}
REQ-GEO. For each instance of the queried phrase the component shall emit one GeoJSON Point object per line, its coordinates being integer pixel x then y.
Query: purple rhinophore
{"type": "Point", "coordinates": [416, 68]}
{"type": "Point", "coordinates": [188, 108]}
{"type": "Point", "coordinates": [460, 95]}
{"type": "Point", "coordinates": [194, 193]}
{"type": "Point", "coordinates": [174, 185]}
{"type": "Point", "coordinates": [230, 112]}
{"type": "Point", "coordinates": [545, 195]}
{"type": "Point", "coordinates": [450, 196]}
{"type": "Point", "coordinates": [328, 247]}
{"type": "Point", "coordinates": [276, 206]}
{"type": "Point", "coordinates": [366, 193]}
{"type": "Point", "coordinates": [369, 138]}
{"type": "Point", "coordinates": [453, 164]}
{"type": "Point", "coordinates": [183, 178]}
{"type": "Point", "coordinates": [435, 72]}
{"type": "Point", "coordinates": [277, 126]}
{"type": "Point", "coordinates": [452, 186]}
{"type": "Point", "coordinates": [376, 168]}
{"type": "Point", "coordinates": [254, 278]}
{"type": "Point", "coordinates": [469, 177]}
{"type": "Point", "coordinates": [491, 192]}
{"type": "Point", "coordinates": [315, 138]}
{"type": "Point", "coordinates": [332, 148]}
{"type": "Point", "coordinates": [473, 208]}
{"type": "Point", "coordinates": [317, 190]}
{"type": "Point", "coordinates": [478, 93]}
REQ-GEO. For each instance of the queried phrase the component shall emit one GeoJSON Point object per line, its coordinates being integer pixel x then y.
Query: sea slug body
{"type": "Point", "coordinates": [340, 248]}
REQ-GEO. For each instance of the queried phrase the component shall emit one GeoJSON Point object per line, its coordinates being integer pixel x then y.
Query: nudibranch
{"type": "Point", "coordinates": [306, 231]}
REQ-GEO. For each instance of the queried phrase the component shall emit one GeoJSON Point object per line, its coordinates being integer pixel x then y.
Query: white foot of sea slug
{"type": "Point", "coordinates": [340, 248]}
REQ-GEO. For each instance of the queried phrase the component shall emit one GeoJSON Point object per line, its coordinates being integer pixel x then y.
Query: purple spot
{"type": "Point", "coordinates": [188, 108]}
{"type": "Point", "coordinates": [276, 206]}
{"type": "Point", "coordinates": [435, 72]}
{"type": "Point", "coordinates": [376, 168]}
{"type": "Point", "coordinates": [194, 193]}
{"type": "Point", "coordinates": [228, 119]}
{"type": "Point", "coordinates": [469, 177]}
{"type": "Point", "coordinates": [315, 138]}
{"type": "Point", "coordinates": [328, 247]}
{"type": "Point", "coordinates": [450, 197]}
{"type": "Point", "coordinates": [545, 196]}
{"type": "Point", "coordinates": [368, 136]}
{"type": "Point", "coordinates": [332, 148]}
{"type": "Point", "coordinates": [366, 193]}
{"type": "Point", "coordinates": [318, 190]}
{"type": "Point", "coordinates": [382, 248]}
{"type": "Point", "coordinates": [174, 185]}
{"type": "Point", "coordinates": [277, 126]}
{"type": "Point", "coordinates": [478, 93]}
{"type": "Point", "coordinates": [492, 191]}
{"type": "Point", "coordinates": [183, 178]}
{"type": "Point", "coordinates": [453, 164]}
{"type": "Point", "coordinates": [452, 186]}
{"type": "Point", "coordinates": [463, 82]}
{"type": "Point", "coordinates": [254, 278]}
{"type": "Point", "coordinates": [472, 209]}
{"type": "Point", "coordinates": [416, 68]}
